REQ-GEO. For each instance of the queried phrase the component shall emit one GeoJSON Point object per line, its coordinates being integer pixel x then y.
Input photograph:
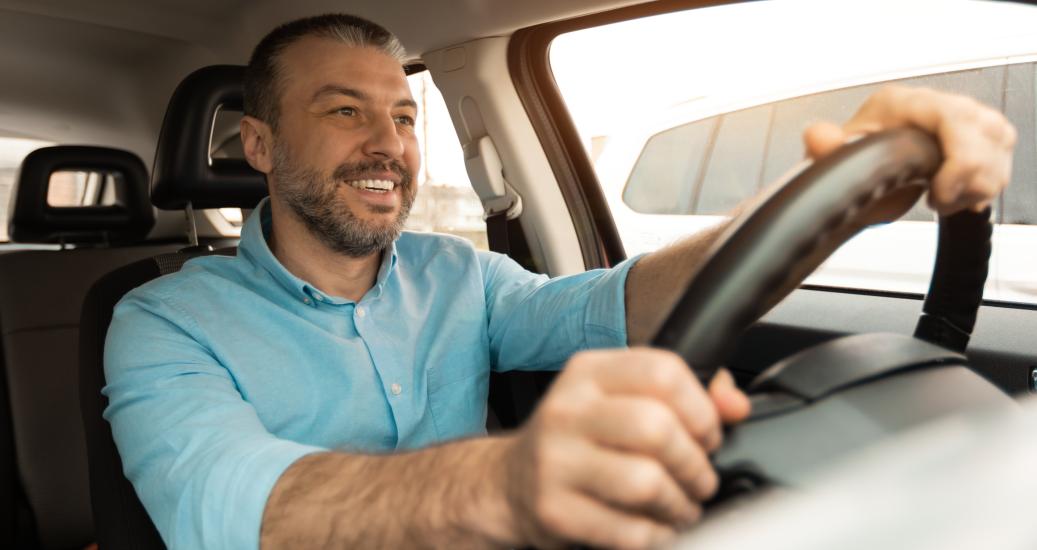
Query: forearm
{"type": "Point", "coordinates": [447, 496]}
{"type": "Point", "coordinates": [654, 284]}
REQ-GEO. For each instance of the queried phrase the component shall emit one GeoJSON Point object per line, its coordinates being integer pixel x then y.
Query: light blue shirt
{"type": "Point", "coordinates": [222, 375]}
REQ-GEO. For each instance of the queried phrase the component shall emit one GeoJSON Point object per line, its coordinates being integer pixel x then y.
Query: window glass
{"type": "Point", "coordinates": [74, 188]}
{"type": "Point", "coordinates": [1019, 205]}
{"type": "Point", "coordinates": [684, 118]}
{"type": "Point", "coordinates": [446, 202]}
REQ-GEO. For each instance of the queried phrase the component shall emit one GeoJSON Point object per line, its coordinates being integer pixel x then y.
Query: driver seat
{"type": "Point", "coordinates": [185, 177]}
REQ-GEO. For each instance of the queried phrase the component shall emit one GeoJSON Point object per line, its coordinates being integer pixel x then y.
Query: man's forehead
{"type": "Point", "coordinates": [315, 64]}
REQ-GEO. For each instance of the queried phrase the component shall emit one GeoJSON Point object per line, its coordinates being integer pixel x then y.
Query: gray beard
{"type": "Point", "coordinates": [314, 198]}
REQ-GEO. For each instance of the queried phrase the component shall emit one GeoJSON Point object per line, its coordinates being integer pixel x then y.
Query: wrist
{"type": "Point", "coordinates": [491, 515]}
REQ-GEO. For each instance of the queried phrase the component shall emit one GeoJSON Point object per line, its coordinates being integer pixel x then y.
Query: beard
{"type": "Point", "coordinates": [316, 200]}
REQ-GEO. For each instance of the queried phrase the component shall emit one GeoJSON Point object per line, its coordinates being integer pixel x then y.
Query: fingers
{"type": "Point", "coordinates": [652, 373]}
{"type": "Point", "coordinates": [823, 138]}
{"type": "Point", "coordinates": [574, 517]}
{"type": "Point", "coordinates": [649, 429]}
{"type": "Point", "coordinates": [637, 484]}
{"type": "Point", "coordinates": [977, 141]}
{"type": "Point", "coordinates": [622, 437]}
{"type": "Point", "coordinates": [974, 172]}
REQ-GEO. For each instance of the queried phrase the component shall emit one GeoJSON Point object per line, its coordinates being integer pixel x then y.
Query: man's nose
{"type": "Point", "coordinates": [383, 139]}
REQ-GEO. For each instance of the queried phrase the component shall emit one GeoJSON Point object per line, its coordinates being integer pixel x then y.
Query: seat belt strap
{"type": "Point", "coordinates": [497, 232]}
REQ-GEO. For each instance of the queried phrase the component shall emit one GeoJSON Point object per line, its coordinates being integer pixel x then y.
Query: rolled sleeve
{"type": "Point", "coordinates": [196, 452]}
{"type": "Point", "coordinates": [536, 323]}
{"type": "Point", "coordinates": [605, 319]}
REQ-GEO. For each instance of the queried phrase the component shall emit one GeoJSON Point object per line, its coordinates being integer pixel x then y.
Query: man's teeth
{"type": "Point", "coordinates": [380, 186]}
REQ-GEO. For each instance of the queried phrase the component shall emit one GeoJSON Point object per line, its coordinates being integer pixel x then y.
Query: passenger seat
{"type": "Point", "coordinates": [44, 481]}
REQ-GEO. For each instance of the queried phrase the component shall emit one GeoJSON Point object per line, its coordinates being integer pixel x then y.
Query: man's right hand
{"type": "Point", "coordinates": [616, 455]}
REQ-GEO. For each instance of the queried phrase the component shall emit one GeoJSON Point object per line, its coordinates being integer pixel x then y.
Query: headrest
{"type": "Point", "coordinates": [34, 220]}
{"type": "Point", "coordinates": [184, 172]}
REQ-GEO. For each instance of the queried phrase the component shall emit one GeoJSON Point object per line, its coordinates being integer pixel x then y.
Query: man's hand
{"type": "Point", "coordinates": [616, 455]}
{"type": "Point", "coordinates": [977, 141]}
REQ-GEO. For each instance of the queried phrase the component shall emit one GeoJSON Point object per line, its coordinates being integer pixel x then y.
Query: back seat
{"type": "Point", "coordinates": [44, 482]}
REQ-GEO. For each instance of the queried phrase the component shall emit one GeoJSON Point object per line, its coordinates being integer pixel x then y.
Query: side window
{"type": "Point", "coordinates": [1019, 203]}
{"type": "Point", "coordinates": [735, 161]}
{"type": "Point", "coordinates": [446, 202]}
{"type": "Point", "coordinates": [683, 122]}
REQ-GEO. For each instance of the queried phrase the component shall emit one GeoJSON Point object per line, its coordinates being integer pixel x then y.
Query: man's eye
{"type": "Point", "coordinates": [346, 111]}
{"type": "Point", "coordinates": [405, 120]}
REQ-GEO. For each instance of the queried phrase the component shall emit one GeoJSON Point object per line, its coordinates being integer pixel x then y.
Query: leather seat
{"type": "Point", "coordinates": [184, 177]}
{"type": "Point", "coordinates": [44, 481]}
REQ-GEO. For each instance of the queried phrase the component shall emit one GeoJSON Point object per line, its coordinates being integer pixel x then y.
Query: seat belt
{"type": "Point", "coordinates": [497, 232]}
{"type": "Point", "coordinates": [512, 395]}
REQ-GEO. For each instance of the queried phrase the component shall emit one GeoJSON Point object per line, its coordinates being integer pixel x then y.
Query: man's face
{"type": "Point", "coordinates": [345, 151]}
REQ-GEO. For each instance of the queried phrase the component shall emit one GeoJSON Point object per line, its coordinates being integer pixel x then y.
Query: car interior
{"type": "Point", "coordinates": [136, 104]}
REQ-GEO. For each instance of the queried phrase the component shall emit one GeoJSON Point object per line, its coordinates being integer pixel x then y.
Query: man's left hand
{"type": "Point", "coordinates": [977, 141]}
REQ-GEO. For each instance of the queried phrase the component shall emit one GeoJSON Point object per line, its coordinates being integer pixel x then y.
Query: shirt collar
{"type": "Point", "coordinates": [254, 247]}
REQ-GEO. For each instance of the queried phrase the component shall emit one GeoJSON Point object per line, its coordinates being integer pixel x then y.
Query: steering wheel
{"type": "Point", "coordinates": [842, 395]}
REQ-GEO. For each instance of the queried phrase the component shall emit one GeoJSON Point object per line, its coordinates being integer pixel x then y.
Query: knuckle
{"type": "Point", "coordinates": [886, 93]}
{"type": "Point", "coordinates": [646, 483]}
{"type": "Point", "coordinates": [557, 411]}
{"type": "Point", "coordinates": [656, 427]}
{"type": "Point", "coordinates": [551, 465]}
{"type": "Point", "coordinates": [667, 371]}
{"type": "Point", "coordinates": [549, 514]}
{"type": "Point", "coordinates": [967, 163]}
{"type": "Point", "coordinates": [705, 423]}
{"type": "Point", "coordinates": [710, 482]}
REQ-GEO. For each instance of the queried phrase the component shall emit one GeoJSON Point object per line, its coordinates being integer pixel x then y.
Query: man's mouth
{"type": "Point", "coordinates": [375, 186]}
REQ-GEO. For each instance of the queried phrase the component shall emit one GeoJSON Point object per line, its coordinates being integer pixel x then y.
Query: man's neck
{"type": "Point", "coordinates": [307, 257]}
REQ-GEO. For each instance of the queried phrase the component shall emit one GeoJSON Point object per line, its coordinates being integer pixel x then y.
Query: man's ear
{"type": "Point", "coordinates": [257, 142]}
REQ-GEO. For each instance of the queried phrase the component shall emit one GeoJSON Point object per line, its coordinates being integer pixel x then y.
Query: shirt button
{"type": "Point", "coordinates": [306, 301]}
{"type": "Point", "coordinates": [318, 297]}
{"type": "Point", "coordinates": [396, 389]}
{"type": "Point", "coordinates": [360, 312]}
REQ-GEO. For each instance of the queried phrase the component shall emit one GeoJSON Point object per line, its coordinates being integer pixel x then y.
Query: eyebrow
{"type": "Point", "coordinates": [333, 89]}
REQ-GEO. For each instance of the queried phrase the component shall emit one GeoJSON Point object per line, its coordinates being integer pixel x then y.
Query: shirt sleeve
{"type": "Point", "coordinates": [196, 452]}
{"type": "Point", "coordinates": [537, 323]}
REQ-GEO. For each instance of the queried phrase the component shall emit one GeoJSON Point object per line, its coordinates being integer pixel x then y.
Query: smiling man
{"type": "Point", "coordinates": [327, 386]}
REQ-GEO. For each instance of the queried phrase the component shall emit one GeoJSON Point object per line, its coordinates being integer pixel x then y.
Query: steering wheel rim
{"type": "Point", "coordinates": [771, 247]}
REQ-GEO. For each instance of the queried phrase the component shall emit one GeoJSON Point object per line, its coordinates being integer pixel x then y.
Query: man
{"type": "Point", "coordinates": [327, 386]}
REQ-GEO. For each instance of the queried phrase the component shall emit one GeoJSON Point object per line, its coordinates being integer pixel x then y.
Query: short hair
{"type": "Point", "coordinates": [262, 82]}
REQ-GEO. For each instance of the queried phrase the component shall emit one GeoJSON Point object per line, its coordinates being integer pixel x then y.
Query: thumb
{"type": "Point", "coordinates": [732, 405]}
{"type": "Point", "coordinates": [822, 138]}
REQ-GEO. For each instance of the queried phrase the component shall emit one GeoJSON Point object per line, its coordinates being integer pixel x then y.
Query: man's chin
{"type": "Point", "coordinates": [381, 209]}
